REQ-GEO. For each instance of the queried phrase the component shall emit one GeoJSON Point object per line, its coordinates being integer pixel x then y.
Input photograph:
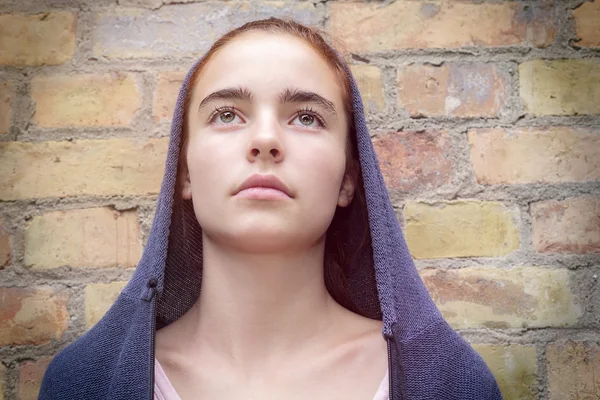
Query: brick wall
{"type": "Point", "coordinates": [485, 116]}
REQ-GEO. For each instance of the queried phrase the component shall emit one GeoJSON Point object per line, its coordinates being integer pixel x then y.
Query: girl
{"type": "Point", "coordinates": [275, 266]}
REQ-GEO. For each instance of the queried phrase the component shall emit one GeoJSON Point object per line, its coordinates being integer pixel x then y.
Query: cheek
{"type": "Point", "coordinates": [323, 170]}
{"type": "Point", "coordinates": [207, 161]}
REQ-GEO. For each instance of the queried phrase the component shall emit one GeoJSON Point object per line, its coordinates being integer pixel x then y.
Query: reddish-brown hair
{"type": "Point", "coordinates": [336, 257]}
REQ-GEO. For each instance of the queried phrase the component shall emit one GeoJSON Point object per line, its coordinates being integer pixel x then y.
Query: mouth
{"type": "Point", "coordinates": [267, 187]}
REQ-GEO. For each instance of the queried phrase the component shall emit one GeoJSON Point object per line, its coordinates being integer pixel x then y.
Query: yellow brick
{"type": "Point", "coordinates": [573, 370]}
{"type": "Point", "coordinates": [503, 298]}
{"type": "Point", "coordinates": [370, 84]}
{"type": "Point", "coordinates": [88, 167]}
{"type": "Point", "coordinates": [6, 95]}
{"type": "Point", "coordinates": [461, 229]}
{"type": "Point", "coordinates": [560, 87]}
{"type": "Point", "coordinates": [165, 95]}
{"type": "Point", "coordinates": [587, 26]}
{"type": "Point", "coordinates": [529, 155]}
{"type": "Point", "coordinates": [376, 27]}
{"type": "Point", "coordinates": [84, 100]}
{"type": "Point", "coordinates": [514, 367]}
{"type": "Point", "coordinates": [99, 297]}
{"type": "Point", "coordinates": [32, 315]}
{"type": "Point", "coordinates": [40, 39]}
{"type": "Point", "coordinates": [96, 237]}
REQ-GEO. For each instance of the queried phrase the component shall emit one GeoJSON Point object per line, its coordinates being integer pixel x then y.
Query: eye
{"type": "Point", "coordinates": [224, 116]}
{"type": "Point", "coordinates": [309, 118]}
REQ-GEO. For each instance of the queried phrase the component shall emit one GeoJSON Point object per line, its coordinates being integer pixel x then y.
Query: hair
{"type": "Point", "coordinates": [337, 258]}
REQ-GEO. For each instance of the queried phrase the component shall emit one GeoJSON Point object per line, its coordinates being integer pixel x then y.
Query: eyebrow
{"type": "Point", "coordinates": [289, 95]}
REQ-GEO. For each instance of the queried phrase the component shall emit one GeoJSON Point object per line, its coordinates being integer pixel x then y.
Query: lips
{"type": "Point", "coordinates": [264, 181]}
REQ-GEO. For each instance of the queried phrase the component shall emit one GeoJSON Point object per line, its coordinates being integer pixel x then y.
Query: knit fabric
{"type": "Point", "coordinates": [115, 359]}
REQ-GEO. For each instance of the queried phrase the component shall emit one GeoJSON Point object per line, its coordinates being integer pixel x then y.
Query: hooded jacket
{"type": "Point", "coordinates": [115, 359]}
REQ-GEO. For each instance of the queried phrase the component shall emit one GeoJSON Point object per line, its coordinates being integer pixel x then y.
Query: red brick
{"type": "Point", "coordinates": [40, 39]}
{"type": "Point", "coordinates": [568, 226]}
{"type": "Point", "coordinates": [6, 96]}
{"type": "Point", "coordinates": [32, 315]}
{"type": "Point", "coordinates": [30, 378]}
{"type": "Point", "coordinates": [86, 167]}
{"type": "Point", "coordinates": [377, 27]}
{"type": "Point", "coordinates": [530, 155]}
{"type": "Point", "coordinates": [412, 161]}
{"type": "Point", "coordinates": [486, 297]}
{"type": "Point", "coordinates": [5, 245]}
{"type": "Point", "coordinates": [458, 90]}
{"type": "Point", "coordinates": [573, 370]}
{"type": "Point", "coordinates": [587, 26]}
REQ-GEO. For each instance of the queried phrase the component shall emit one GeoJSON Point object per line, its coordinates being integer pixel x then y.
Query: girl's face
{"type": "Point", "coordinates": [267, 104]}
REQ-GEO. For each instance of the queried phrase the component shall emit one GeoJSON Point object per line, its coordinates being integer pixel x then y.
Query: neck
{"type": "Point", "coordinates": [259, 307]}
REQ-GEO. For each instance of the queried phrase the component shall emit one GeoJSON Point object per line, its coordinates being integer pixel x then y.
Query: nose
{"type": "Point", "coordinates": [265, 142]}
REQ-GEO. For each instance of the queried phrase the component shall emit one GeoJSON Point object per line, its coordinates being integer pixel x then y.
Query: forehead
{"type": "Point", "coordinates": [265, 63]}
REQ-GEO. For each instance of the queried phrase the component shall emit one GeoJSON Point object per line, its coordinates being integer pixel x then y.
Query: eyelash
{"type": "Point", "coordinates": [305, 110]}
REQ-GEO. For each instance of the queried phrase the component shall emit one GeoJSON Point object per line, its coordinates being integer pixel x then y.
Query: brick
{"type": "Point", "coordinates": [87, 167]}
{"type": "Point", "coordinates": [32, 315]}
{"type": "Point", "coordinates": [573, 370]}
{"type": "Point", "coordinates": [40, 39]}
{"type": "Point", "coordinates": [530, 155]}
{"type": "Point", "coordinates": [95, 237]}
{"type": "Point", "coordinates": [99, 297]}
{"type": "Point", "coordinates": [6, 96]}
{"type": "Point", "coordinates": [31, 374]}
{"type": "Point", "coordinates": [370, 84]}
{"type": "Point", "coordinates": [372, 27]}
{"type": "Point", "coordinates": [568, 226]}
{"type": "Point", "coordinates": [185, 30]}
{"type": "Point", "coordinates": [85, 100]}
{"type": "Point", "coordinates": [497, 298]}
{"type": "Point", "coordinates": [413, 161]}
{"type": "Point", "coordinates": [560, 87]}
{"type": "Point", "coordinates": [461, 229]}
{"type": "Point", "coordinates": [514, 367]}
{"type": "Point", "coordinates": [458, 90]}
{"type": "Point", "coordinates": [165, 95]}
{"type": "Point", "coordinates": [587, 28]}
{"type": "Point", "coordinates": [5, 245]}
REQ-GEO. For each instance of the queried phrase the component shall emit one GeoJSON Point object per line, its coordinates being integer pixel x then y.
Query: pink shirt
{"type": "Point", "coordinates": [163, 390]}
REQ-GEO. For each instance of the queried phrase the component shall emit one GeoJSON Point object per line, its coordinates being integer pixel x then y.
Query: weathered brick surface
{"type": "Point", "coordinates": [560, 87]}
{"type": "Point", "coordinates": [6, 99]}
{"type": "Point", "coordinates": [33, 315]}
{"type": "Point", "coordinates": [165, 95]}
{"type": "Point", "coordinates": [97, 237]}
{"type": "Point", "coordinates": [514, 367]}
{"type": "Point", "coordinates": [184, 30]}
{"type": "Point", "coordinates": [461, 229]}
{"type": "Point", "coordinates": [108, 100]}
{"type": "Point", "coordinates": [370, 84]}
{"type": "Point", "coordinates": [38, 39]}
{"type": "Point", "coordinates": [414, 161]}
{"type": "Point", "coordinates": [504, 298]}
{"type": "Point", "coordinates": [5, 245]}
{"type": "Point", "coordinates": [99, 297]}
{"type": "Point", "coordinates": [587, 27]}
{"type": "Point", "coordinates": [568, 226]}
{"type": "Point", "coordinates": [459, 90]}
{"type": "Point", "coordinates": [373, 27]}
{"type": "Point", "coordinates": [30, 378]}
{"type": "Point", "coordinates": [573, 370]}
{"type": "Point", "coordinates": [2, 380]}
{"type": "Point", "coordinates": [92, 167]}
{"type": "Point", "coordinates": [528, 155]}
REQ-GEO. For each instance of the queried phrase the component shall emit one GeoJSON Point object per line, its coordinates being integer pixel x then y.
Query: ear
{"type": "Point", "coordinates": [186, 187]}
{"type": "Point", "coordinates": [346, 191]}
